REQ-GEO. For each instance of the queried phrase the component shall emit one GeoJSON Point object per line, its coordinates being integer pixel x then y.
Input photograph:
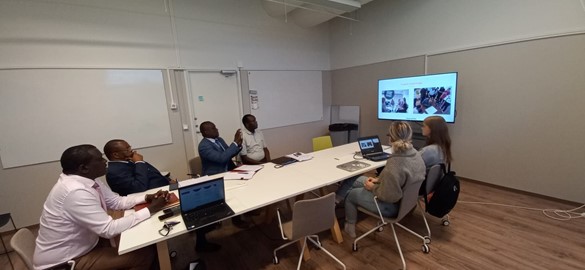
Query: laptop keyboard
{"type": "Point", "coordinates": [206, 214]}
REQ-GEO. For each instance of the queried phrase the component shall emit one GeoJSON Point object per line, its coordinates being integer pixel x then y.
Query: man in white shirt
{"type": "Point", "coordinates": [254, 148]}
{"type": "Point", "coordinates": [74, 217]}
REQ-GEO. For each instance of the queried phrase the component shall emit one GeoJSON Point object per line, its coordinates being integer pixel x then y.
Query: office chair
{"type": "Point", "coordinates": [407, 203]}
{"type": "Point", "coordinates": [323, 142]}
{"type": "Point", "coordinates": [196, 167]}
{"type": "Point", "coordinates": [309, 217]}
{"type": "Point", "coordinates": [23, 243]}
{"type": "Point", "coordinates": [433, 176]}
{"type": "Point", "coordinates": [4, 218]}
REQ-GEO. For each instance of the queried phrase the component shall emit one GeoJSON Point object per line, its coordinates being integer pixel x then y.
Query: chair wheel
{"type": "Point", "coordinates": [445, 222]}
{"type": "Point", "coordinates": [381, 229]}
{"type": "Point", "coordinates": [275, 260]}
{"type": "Point", "coordinates": [427, 240]}
{"type": "Point", "coordinates": [426, 249]}
{"type": "Point", "coordinates": [354, 247]}
{"type": "Point", "coordinates": [173, 254]}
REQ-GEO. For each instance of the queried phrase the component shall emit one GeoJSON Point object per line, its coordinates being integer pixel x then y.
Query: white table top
{"type": "Point", "coordinates": [268, 186]}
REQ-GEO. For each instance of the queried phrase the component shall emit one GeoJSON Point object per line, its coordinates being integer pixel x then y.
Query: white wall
{"type": "Point", "coordinates": [138, 33]}
{"type": "Point", "coordinates": [397, 29]}
{"type": "Point", "coordinates": [211, 34]}
{"type": "Point", "coordinates": [224, 32]}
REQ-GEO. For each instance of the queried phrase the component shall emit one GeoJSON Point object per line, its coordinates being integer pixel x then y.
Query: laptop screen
{"type": "Point", "coordinates": [369, 145]}
{"type": "Point", "coordinates": [201, 194]}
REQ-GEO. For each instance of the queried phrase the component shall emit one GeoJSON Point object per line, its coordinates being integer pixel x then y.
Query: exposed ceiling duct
{"type": "Point", "coordinates": [308, 13]}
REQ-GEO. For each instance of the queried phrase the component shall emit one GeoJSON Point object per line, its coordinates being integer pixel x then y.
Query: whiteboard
{"type": "Point", "coordinates": [45, 111]}
{"type": "Point", "coordinates": [284, 98]}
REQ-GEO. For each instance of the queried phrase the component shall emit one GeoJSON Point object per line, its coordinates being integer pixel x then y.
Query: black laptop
{"type": "Point", "coordinates": [372, 148]}
{"type": "Point", "coordinates": [203, 203]}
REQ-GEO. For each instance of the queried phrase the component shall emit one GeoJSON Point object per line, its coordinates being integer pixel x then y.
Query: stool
{"type": "Point", "coordinates": [4, 218]}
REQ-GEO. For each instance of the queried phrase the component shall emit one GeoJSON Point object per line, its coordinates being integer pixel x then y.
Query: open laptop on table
{"type": "Point", "coordinates": [203, 203]}
{"type": "Point", "coordinates": [371, 148]}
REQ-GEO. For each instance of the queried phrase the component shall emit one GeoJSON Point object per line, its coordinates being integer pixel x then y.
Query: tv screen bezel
{"type": "Point", "coordinates": [453, 103]}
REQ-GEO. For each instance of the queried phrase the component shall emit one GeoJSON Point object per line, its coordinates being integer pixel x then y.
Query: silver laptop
{"type": "Point", "coordinates": [371, 148]}
{"type": "Point", "coordinates": [203, 203]}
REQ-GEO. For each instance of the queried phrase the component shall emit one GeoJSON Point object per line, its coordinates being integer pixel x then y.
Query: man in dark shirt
{"type": "Point", "coordinates": [128, 172]}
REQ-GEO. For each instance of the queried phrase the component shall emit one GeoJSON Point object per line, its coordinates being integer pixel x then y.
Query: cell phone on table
{"type": "Point", "coordinates": [170, 212]}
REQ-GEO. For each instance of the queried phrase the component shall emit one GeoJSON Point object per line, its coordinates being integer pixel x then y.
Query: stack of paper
{"type": "Point", "coordinates": [244, 172]}
{"type": "Point", "coordinates": [300, 156]}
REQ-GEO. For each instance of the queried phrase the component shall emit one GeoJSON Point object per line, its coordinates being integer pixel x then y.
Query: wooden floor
{"type": "Point", "coordinates": [479, 237]}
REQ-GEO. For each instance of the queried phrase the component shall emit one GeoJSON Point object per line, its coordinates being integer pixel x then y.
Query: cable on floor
{"type": "Point", "coordinates": [557, 214]}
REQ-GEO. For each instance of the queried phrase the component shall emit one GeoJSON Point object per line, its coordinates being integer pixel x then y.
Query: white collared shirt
{"type": "Point", "coordinates": [253, 144]}
{"type": "Point", "coordinates": [73, 219]}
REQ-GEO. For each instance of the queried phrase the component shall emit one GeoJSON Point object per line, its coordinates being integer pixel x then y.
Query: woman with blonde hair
{"type": "Point", "coordinates": [404, 166]}
{"type": "Point", "coordinates": [438, 142]}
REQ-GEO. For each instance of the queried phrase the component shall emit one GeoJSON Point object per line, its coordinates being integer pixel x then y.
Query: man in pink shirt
{"type": "Point", "coordinates": [74, 224]}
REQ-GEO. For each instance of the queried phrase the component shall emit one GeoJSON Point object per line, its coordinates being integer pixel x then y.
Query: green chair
{"type": "Point", "coordinates": [323, 142]}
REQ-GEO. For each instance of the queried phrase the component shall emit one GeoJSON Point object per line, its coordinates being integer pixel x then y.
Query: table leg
{"type": "Point", "coordinates": [164, 261]}
{"type": "Point", "coordinates": [335, 230]}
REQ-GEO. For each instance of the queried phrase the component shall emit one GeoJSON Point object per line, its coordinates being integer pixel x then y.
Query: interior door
{"type": "Point", "coordinates": [214, 97]}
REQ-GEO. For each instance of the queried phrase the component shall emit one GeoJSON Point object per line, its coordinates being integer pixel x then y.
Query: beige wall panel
{"type": "Point", "coordinates": [359, 86]}
{"type": "Point", "coordinates": [520, 114]}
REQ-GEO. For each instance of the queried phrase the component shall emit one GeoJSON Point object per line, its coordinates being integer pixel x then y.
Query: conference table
{"type": "Point", "coordinates": [268, 186]}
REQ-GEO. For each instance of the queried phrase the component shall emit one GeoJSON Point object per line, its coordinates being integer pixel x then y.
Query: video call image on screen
{"type": "Point", "coordinates": [415, 98]}
{"type": "Point", "coordinates": [367, 144]}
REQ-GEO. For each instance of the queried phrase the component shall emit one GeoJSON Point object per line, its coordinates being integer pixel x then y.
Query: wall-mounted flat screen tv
{"type": "Point", "coordinates": [415, 98]}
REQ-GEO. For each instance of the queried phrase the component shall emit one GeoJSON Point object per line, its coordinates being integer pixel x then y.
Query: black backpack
{"type": "Point", "coordinates": [445, 194]}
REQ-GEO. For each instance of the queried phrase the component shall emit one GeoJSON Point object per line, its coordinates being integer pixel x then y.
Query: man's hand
{"type": "Point", "coordinates": [157, 201]}
{"type": "Point", "coordinates": [238, 137]}
{"type": "Point", "coordinates": [136, 156]}
{"type": "Point", "coordinates": [160, 193]}
{"type": "Point", "coordinates": [157, 204]}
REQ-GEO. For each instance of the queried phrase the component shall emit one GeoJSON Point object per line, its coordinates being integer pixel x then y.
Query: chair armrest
{"type": "Point", "coordinates": [280, 224]}
{"type": "Point", "coordinates": [378, 208]}
{"type": "Point", "coordinates": [71, 264]}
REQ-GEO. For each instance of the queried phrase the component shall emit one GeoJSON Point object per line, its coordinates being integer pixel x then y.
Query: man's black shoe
{"type": "Point", "coordinates": [207, 247]}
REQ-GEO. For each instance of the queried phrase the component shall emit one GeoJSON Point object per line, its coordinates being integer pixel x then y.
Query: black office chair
{"type": "Point", "coordinates": [4, 218]}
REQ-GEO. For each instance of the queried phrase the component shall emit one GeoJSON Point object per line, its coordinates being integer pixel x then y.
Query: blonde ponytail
{"type": "Point", "coordinates": [400, 136]}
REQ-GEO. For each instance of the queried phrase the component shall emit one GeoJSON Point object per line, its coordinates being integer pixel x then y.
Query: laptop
{"type": "Point", "coordinates": [371, 148]}
{"type": "Point", "coordinates": [203, 203]}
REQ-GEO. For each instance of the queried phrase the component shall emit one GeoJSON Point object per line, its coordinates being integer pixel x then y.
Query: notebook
{"type": "Point", "coordinates": [283, 161]}
{"type": "Point", "coordinates": [371, 148]}
{"type": "Point", "coordinates": [203, 203]}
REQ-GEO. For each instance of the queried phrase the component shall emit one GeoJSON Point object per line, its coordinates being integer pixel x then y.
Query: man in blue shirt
{"type": "Point", "coordinates": [216, 156]}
